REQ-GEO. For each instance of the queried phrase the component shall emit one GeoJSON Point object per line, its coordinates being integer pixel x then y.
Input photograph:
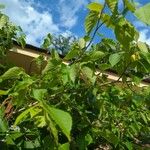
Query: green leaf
{"type": "Point", "coordinates": [108, 21]}
{"type": "Point", "coordinates": [144, 117]}
{"type": "Point", "coordinates": [115, 58]}
{"type": "Point", "coordinates": [39, 94]}
{"type": "Point", "coordinates": [29, 145]}
{"type": "Point", "coordinates": [89, 74]}
{"type": "Point", "coordinates": [12, 73]}
{"type": "Point", "coordinates": [65, 146]}
{"type": "Point", "coordinates": [96, 55]}
{"type": "Point", "coordinates": [3, 21]}
{"type": "Point", "coordinates": [110, 137]}
{"type": "Point", "coordinates": [21, 40]}
{"type": "Point", "coordinates": [88, 139]}
{"type": "Point", "coordinates": [142, 46]}
{"type": "Point", "coordinates": [129, 145]}
{"type": "Point", "coordinates": [3, 122]}
{"type": "Point", "coordinates": [112, 4]}
{"type": "Point", "coordinates": [40, 121]}
{"type": "Point", "coordinates": [47, 41]}
{"type": "Point", "coordinates": [22, 116]}
{"type": "Point", "coordinates": [95, 7]}
{"type": "Point", "coordinates": [125, 33]}
{"type": "Point", "coordinates": [82, 43]}
{"type": "Point", "coordinates": [146, 56]}
{"type": "Point", "coordinates": [23, 84]}
{"type": "Point", "coordinates": [130, 5]}
{"type": "Point", "coordinates": [61, 118]}
{"type": "Point", "coordinates": [52, 127]}
{"type": "Point", "coordinates": [16, 135]}
{"type": "Point", "coordinates": [104, 66]}
{"type": "Point", "coordinates": [73, 72]}
{"type": "Point", "coordinates": [90, 21]}
{"type": "Point", "coordinates": [9, 140]}
{"type": "Point", "coordinates": [142, 13]}
{"type": "Point", "coordinates": [72, 54]}
{"type": "Point", "coordinates": [3, 92]}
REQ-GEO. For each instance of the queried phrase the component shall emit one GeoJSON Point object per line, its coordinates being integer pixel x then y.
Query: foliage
{"type": "Point", "coordinates": [60, 43]}
{"type": "Point", "coordinates": [8, 34]}
{"type": "Point", "coordinates": [74, 105]}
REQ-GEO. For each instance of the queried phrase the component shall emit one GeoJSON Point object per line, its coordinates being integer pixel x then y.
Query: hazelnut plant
{"type": "Point", "coordinates": [74, 105]}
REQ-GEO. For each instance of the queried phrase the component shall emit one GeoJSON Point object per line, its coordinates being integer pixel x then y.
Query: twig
{"type": "Point", "coordinates": [30, 105]}
{"type": "Point", "coordinates": [98, 25]}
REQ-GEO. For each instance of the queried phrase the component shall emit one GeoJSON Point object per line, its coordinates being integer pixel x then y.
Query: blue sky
{"type": "Point", "coordinates": [40, 17]}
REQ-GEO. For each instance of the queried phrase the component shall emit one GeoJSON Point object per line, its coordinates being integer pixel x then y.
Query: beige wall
{"type": "Point", "coordinates": [25, 58]}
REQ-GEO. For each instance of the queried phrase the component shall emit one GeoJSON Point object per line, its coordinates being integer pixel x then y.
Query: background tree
{"type": "Point", "coordinates": [60, 43]}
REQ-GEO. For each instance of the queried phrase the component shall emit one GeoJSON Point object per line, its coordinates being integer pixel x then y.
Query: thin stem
{"type": "Point", "coordinates": [97, 26]}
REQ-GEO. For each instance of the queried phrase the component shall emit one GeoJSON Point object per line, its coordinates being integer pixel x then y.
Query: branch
{"type": "Point", "coordinates": [98, 25]}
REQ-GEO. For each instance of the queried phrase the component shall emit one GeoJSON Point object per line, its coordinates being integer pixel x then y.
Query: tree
{"type": "Point", "coordinates": [75, 106]}
{"type": "Point", "coordinates": [60, 43]}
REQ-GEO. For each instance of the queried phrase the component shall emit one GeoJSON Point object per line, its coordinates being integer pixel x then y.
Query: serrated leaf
{"type": "Point", "coordinates": [142, 13]}
{"type": "Point", "coordinates": [125, 32]}
{"type": "Point", "coordinates": [112, 4]}
{"type": "Point", "coordinates": [90, 21]}
{"type": "Point", "coordinates": [61, 118]}
{"type": "Point", "coordinates": [115, 58]}
{"type": "Point", "coordinates": [95, 7]}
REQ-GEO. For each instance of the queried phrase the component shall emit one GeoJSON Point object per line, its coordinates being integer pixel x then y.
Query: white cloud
{"type": "Point", "coordinates": [144, 31]}
{"type": "Point", "coordinates": [144, 36]}
{"type": "Point", "coordinates": [68, 9]}
{"type": "Point", "coordinates": [34, 23]}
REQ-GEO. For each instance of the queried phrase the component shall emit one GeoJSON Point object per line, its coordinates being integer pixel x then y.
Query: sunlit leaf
{"type": "Point", "coordinates": [115, 58]}
{"type": "Point", "coordinates": [90, 21]}
{"type": "Point", "coordinates": [142, 13]}
{"type": "Point", "coordinates": [65, 146]}
{"type": "Point", "coordinates": [95, 7]}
